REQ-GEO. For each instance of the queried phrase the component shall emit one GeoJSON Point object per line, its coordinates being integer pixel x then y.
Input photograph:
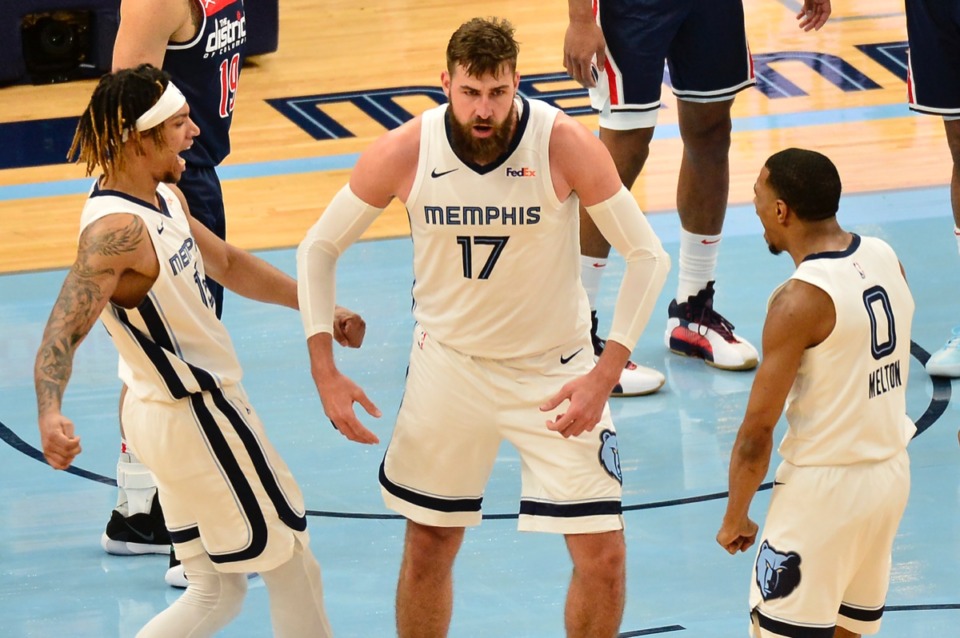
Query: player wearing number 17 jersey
{"type": "Point", "coordinates": [501, 348]}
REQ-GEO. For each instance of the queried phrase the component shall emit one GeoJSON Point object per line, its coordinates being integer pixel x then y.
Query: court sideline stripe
{"type": "Point", "coordinates": [939, 399]}
{"type": "Point", "coordinates": [348, 160]}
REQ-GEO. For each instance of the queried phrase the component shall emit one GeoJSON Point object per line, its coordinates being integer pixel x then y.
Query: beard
{"type": "Point", "coordinates": [773, 249]}
{"type": "Point", "coordinates": [481, 150]}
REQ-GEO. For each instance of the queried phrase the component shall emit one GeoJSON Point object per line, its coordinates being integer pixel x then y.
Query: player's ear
{"type": "Point", "coordinates": [781, 211]}
{"type": "Point", "coordinates": [445, 82]}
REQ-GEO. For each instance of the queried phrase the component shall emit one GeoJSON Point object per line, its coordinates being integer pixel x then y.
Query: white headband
{"type": "Point", "coordinates": [169, 103]}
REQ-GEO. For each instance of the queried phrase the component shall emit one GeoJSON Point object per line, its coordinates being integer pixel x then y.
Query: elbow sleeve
{"type": "Point", "coordinates": [341, 224]}
{"type": "Point", "coordinates": [624, 225]}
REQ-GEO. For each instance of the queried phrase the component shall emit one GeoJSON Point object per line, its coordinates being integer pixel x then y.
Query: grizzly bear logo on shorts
{"type": "Point", "coordinates": [610, 455]}
{"type": "Point", "coordinates": [778, 573]}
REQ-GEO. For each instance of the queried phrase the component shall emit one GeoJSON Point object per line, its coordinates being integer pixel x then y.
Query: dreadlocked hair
{"type": "Point", "coordinates": [111, 116]}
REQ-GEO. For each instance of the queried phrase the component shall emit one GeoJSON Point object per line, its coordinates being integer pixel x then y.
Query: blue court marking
{"type": "Point", "coordinates": [939, 400]}
{"type": "Point", "coordinates": [348, 160]}
{"type": "Point", "coordinates": [651, 632]}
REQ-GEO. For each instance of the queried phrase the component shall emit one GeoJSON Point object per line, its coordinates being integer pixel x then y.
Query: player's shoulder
{"type": "Point", "coordinates": [397, 144]}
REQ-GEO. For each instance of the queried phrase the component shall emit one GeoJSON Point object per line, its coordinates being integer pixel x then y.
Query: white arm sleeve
{"type": "Point", "coordinates": [341, 224]}
{"type": "Point", "coordinates": [624, 225]}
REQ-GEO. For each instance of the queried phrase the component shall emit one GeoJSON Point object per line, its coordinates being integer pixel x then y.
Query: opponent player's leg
{"type": "Point", "coordinates": [709, 63]}
{"type": "Point", "coordinates": [946, 360]}
{"type": "Point", "coordinates": [952, 128]}
{"type": "Point", "coordinates": [933, 88]}
{"type": "Point", "coordinates": [704, 181]}
{"type": "Point", "coordinates": [627, 97]}
{"type": "Point", "coordinates": [296, 597]}
{"type": "Point", "coordinates": [597, 591]}
{"type": "Point", "coordinates": [425, 586]}
{"type": "Point", "coordinates": [629, 149]}
{"type": "Point", "coordinates": [136, 524]}
{"type": "Point", "coordinates": [208, 605]}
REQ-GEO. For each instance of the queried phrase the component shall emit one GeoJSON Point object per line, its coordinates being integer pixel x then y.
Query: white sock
{"type": "Point", "coordinates": [591, 270]}
{"type": "Point", "coordinates": [698, 263]}
{"type": "Point", "coordinates": [136, 485]}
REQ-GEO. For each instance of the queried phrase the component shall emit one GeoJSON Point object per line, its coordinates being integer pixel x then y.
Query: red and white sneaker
{"type": "Point", "coordinates": [634, 380]}
{"type": "Point", "coordinates": [695, 329]}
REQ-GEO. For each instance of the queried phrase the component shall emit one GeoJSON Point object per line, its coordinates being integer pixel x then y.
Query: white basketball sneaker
{"type": "Point", "coordinates": [695, 329]}
{"type": "Point", "coordinates": [945, 362]}
{"type": "Point", "coordinates": [634, 380]}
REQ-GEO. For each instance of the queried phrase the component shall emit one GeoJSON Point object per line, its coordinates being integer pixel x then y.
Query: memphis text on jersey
{"type": "Point", "coordinates": [481, 215]}
{"type": "Point", "coordinates": [884, 379]}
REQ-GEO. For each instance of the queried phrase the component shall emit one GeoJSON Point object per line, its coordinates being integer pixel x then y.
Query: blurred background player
{"type": "Point", "coordinates": [617, 50]}
{"type": "Point", "coordinates": [933, 84]}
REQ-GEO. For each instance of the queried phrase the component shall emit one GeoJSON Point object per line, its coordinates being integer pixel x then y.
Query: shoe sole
{"type": "Point", "coordinates": [746, 365]}
{"type": "Point", "coordinates": [948, 373]}
{"type": "Point", "coordinates": [641, 393]}
{"type": "Point", "coordinates": [175, 578]}
{"type": "Point", "coordinates": [123, 548]}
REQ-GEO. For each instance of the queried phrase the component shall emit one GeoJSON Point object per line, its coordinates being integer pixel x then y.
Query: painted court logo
{"type": "Point", "coordinates": [521, 172]}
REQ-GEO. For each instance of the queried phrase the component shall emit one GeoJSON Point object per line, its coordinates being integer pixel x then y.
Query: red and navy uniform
{"type": "Point", "coordinates": [207, 70]}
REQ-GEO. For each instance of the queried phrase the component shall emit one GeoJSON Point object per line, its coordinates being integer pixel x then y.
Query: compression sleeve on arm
{"type": "Point", "coordinates": [625, 226]}
{"type": "Point", "coordinates": [341, 224]}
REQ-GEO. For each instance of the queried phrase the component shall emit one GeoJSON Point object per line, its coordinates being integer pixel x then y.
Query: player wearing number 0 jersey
{"type": "Point", "coordinates": [842, 487]}
{"type": "Point", "coordinates": [836, 354]}
{"type": "Point", "coordinates": [849, 403]}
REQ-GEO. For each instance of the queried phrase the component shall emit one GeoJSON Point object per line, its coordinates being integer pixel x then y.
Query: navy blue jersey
{"type": "Point", "coordinates": [207, 70]}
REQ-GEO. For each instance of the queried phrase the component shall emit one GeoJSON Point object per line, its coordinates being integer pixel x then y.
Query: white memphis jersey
{"type": "Point", "coordinates": [172, 344]}
{"type": "Point", "coordinates": [496, 255]}
{"type": "Point", "coordinates": [848, 403]}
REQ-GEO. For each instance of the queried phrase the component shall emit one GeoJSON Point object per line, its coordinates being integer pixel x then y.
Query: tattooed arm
{"type": "Point", "coordinates": [113, 264]}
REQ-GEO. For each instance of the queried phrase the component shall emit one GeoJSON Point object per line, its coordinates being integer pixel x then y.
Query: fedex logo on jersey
{"type": "Point", "coordinates": [183, 257]}
{"type": "Point", "coordinates": [521, 172]}
{"type": "Point", "coordinates": [230, 34]}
